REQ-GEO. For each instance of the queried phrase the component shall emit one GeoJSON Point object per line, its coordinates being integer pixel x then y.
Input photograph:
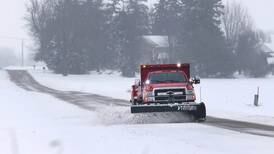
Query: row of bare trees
{"type": "Point", "coordinates": [245, 40]}
{"type": "Point", "coordinates": [236, 20]}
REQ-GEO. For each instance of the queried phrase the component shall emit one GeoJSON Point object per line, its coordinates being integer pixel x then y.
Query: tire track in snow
{"type": "Point", "coordinates": [116, 111]}
{"type": "Point", "coordinates": [242, 127]}
{"type": "Point", "coordinates": [83, 100]}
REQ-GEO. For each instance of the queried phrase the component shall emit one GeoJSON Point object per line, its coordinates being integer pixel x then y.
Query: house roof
{"type": "Point", "coordinates": [268, 51]}
{"type": "Point", "coordinates": [157, 40]}
{"type": "Point", "coordinates": [270, 44]}
{"type": "Point", "coordinates": [268, 48]}
{"type": "Point", "coordinates": [270, 60]}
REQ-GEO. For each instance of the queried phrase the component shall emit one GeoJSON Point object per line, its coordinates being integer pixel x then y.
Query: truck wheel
{"type": "Point", "coordinates": [134, 102]}
{"type": "Point", "coordinates": [200, 114]}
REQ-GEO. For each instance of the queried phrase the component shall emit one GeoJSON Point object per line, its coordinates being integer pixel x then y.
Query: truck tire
{"type": "Point", "coordinates": [134, 102]}
{"type": "Point", "coordinates": [200, 113]}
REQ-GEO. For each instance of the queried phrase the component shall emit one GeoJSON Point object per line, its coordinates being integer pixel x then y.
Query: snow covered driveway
{"type": "Point", "coordinates": [84, 100]}
{"type": "Point", "coordinates": [35, 123]}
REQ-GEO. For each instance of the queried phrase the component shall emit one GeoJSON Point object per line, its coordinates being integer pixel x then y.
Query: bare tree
{"type": "Point", "coordinates": [245, 40]}
{"type": "Point", "coordinates": [236, 20]}
{"type": "Point", "coordinates": [39, 13]}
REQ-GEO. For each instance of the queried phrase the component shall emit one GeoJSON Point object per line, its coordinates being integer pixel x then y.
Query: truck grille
{"type": "Point", "coordinates": [170, 95]}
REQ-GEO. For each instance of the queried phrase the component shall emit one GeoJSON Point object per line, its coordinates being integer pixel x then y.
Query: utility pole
{"type": "Point", "coordinates": [123, 7]}
{"type": "Point", "coordinates": [22, 40]}
{"type": "Point", "coordinates": [22, 53]}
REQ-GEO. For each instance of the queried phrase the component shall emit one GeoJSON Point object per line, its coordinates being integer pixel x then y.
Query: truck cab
{"type": "Point", "coordinates": [164, 84]}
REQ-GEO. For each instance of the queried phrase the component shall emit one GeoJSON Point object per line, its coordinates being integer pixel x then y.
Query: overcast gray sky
{"type": "Point", "coordinates": [12, 23]}
{"type": "Point", "coordinates": [262, 12]}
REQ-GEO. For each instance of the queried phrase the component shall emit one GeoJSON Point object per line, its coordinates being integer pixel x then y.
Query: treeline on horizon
{"type": "Point", "coordinates": [76, 36]}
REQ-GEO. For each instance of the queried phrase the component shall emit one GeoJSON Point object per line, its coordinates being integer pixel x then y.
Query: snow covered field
{"type": "Point", "coordinates": [34, 123]}
{"type": "Point", "coordinates": [226, 98]}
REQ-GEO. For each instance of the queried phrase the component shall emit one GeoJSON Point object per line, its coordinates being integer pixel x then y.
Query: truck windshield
{"type": "Point", "coordinates": [175, 77]}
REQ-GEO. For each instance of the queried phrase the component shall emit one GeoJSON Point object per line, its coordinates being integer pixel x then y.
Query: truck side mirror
{"type": "Point", "coordinates": [137, 82]}
{"type": "Point", "coordinates": [195, 80]}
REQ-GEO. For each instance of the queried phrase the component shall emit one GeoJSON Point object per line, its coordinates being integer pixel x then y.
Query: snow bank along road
{"type": "Point", "coordinates": [95, 102]}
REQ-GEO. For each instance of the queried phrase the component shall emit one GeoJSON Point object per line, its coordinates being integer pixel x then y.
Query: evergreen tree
{"type": "Point", "coordinates": [97, 32]}
{"type": "Point", "coordinates": [131, 23]}
{"type": "Point", "coordinates": [71, 34]}
{"type": "Point", "coordinates": [251, 60]}
{"type": "Point", "coordinates": [168, 17]}
{"type": "Point", "coordinates": [202, 39]}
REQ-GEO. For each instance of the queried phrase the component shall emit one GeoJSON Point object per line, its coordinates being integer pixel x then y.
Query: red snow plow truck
{"type": "Point", "coordinates": [166, 88]}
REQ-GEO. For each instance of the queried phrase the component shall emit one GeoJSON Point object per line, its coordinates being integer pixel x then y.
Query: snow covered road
{"type": "Point", "coordinates": [233, 98]}
{"type": "Point", "coordinates": [84, 100]}
{"type": "Point", "coordinates": [107, 106]}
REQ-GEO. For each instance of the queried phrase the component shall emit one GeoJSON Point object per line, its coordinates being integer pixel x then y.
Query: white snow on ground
{"type": "Point", "coordinates": [108, 83]}
{"type": "Point", "coordinates": [34, 123]}
{"type": "Point", "coordinates": [24, 105]}
{"type": "Point", "coordinates": [225, 98]}
{"type": "Point", "coordinates": [234, 99]}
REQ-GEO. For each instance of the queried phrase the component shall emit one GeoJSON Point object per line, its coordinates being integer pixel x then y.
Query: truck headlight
{"type": "Point", "coordinates": [149, 97]}
{"type": "Point", "coordinates": [190, 95]}
{"type": "Point", "coordinates": [190, 92]}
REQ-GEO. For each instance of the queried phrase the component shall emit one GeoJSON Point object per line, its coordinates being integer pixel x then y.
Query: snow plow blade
{"type": "Point", "coordinates": [197, 110]}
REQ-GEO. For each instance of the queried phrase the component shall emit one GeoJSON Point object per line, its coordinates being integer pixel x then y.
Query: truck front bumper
{"type": "Point", "coordinates": [187, 107]}
{"type": "Point", "coordinates": [197, 110]}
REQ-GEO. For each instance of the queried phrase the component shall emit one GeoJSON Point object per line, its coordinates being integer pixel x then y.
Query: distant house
{"type": "Point", "coordinates": [270, 54]}
{"type": "Point", "coordinates": [268, 48]}
{"type": "Point", "coordinates": [154, 49]}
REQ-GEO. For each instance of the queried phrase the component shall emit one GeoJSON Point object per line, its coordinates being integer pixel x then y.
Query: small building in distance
{"type": "Point", "coordinates": [154, 49]}
{"type": "Point", "coordinates": [269, 50]}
